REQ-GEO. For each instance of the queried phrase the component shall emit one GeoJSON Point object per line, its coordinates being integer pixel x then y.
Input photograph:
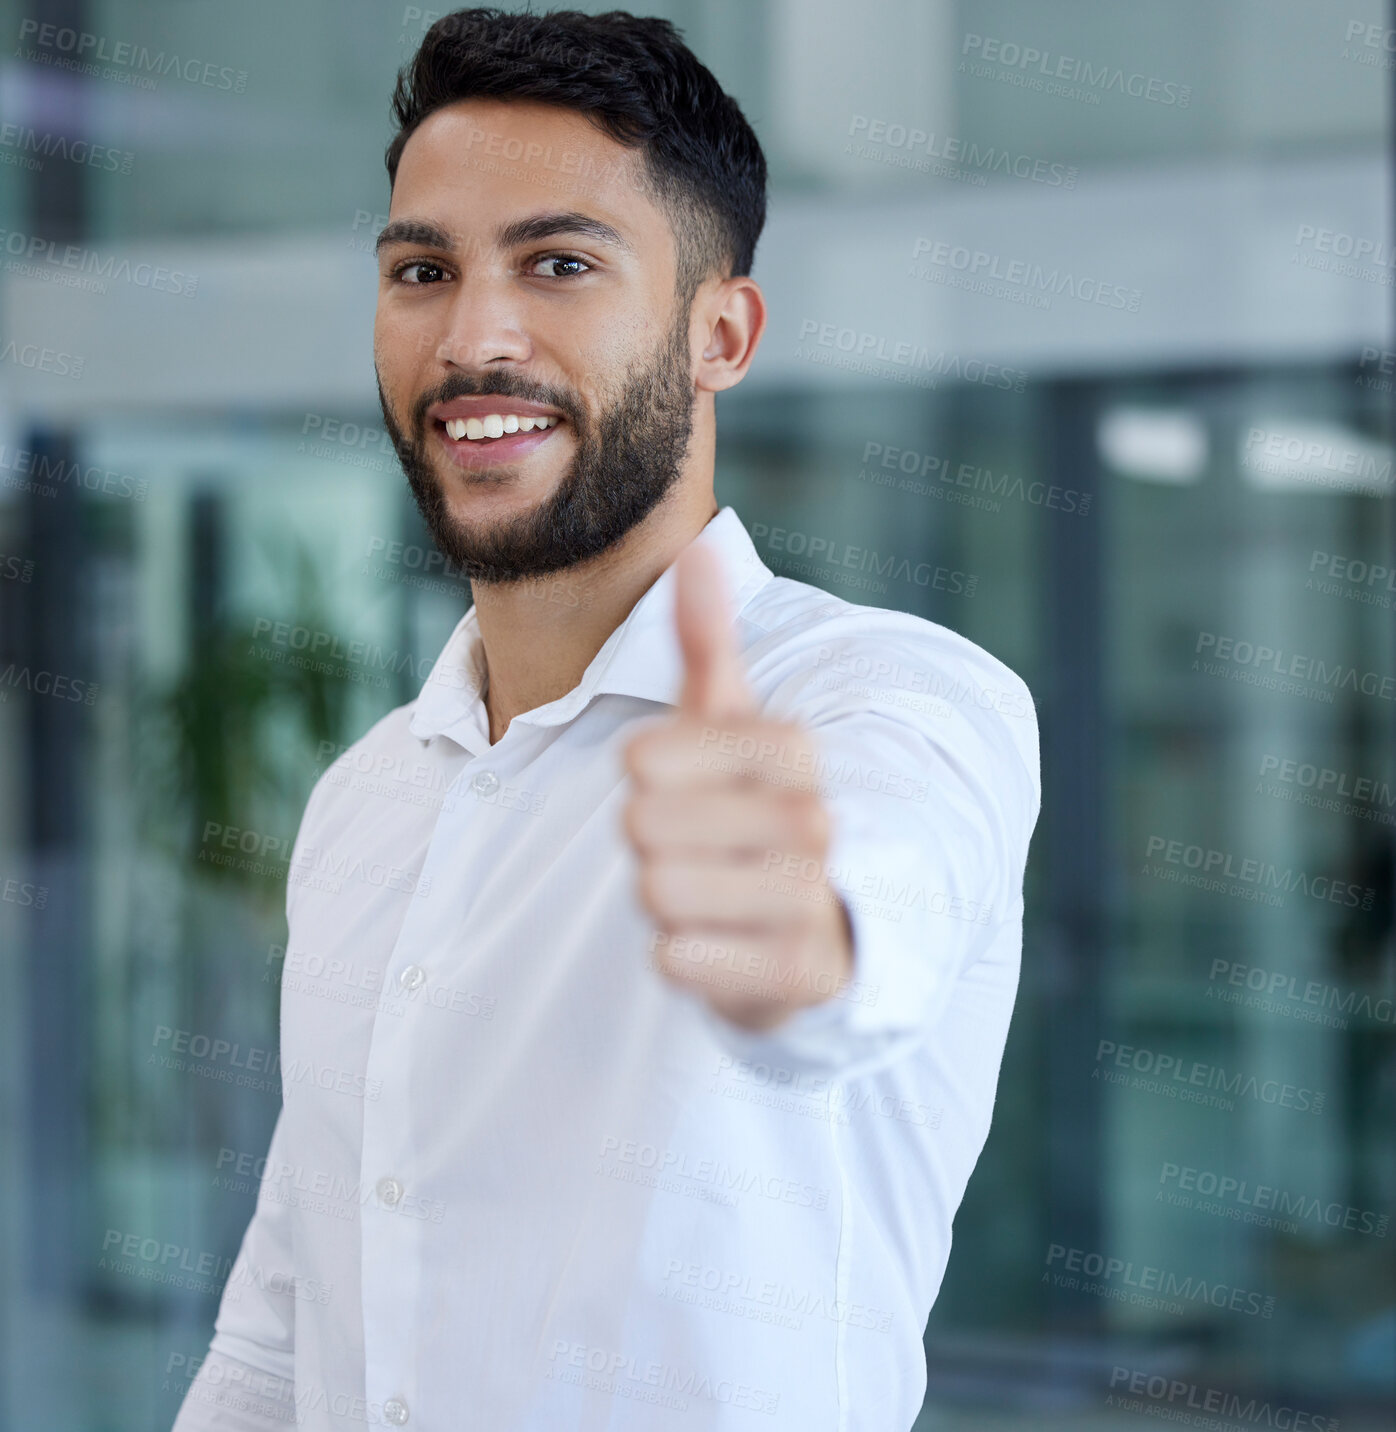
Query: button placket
{"type": "Point", "coordinates": [392, 1256]}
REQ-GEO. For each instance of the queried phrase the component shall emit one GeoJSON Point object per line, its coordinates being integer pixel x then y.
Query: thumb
{"type": "Point", "coordinates": [714, 684]}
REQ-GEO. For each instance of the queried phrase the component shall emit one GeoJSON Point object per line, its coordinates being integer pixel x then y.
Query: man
{"type": "Point", "coordinates": [634, 1070]}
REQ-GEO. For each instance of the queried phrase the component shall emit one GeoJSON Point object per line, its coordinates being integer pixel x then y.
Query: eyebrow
{"type": "Point", "coordinates": [521, 231]}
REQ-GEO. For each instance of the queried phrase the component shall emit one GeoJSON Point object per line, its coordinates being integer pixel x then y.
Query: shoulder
{"type": "Point", "coordinates": [802, 643]}
{"type": "Point", "coordinates": [865, 676]}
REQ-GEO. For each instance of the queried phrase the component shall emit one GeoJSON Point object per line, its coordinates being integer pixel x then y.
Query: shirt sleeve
{"type": "Point", "coordinates": [246, 1382]}
{"type": "Point", "coordinates": [929, 768]}
{"type": "Point", "coordinates": [232, 1396]}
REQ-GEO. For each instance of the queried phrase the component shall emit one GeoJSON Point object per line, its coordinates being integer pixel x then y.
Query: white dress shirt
{"type": "Point", "coordinates": [522, 1183]}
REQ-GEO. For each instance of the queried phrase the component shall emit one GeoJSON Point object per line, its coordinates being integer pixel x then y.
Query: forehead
{"type": "Point", "coordinates": [478, 162]}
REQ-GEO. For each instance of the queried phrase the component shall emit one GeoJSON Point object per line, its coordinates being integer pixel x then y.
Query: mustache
{"type": "Point", "coordinates": [497, 385]}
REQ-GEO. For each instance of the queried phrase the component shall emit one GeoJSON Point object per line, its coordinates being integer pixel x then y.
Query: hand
{"type": "Point", "coordinates": [730, 833]}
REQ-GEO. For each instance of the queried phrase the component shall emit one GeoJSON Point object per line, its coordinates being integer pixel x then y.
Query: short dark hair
{"type": "Point", "coordinates": [637, 81]}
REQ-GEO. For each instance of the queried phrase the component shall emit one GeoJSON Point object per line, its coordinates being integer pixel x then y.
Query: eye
{"type": "Point", "coordinates": [428, 271]}
{"type": "Point", "coordinates": [577, 266]}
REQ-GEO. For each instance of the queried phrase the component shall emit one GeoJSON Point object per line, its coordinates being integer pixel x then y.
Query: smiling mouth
{"type": "Point", "coordinates": [490, 444]}
{"type": "Point", "coordinates": [494, 426]}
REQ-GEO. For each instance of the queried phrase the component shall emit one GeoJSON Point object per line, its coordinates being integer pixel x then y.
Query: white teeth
{"type": "Point", "coordinates": [494, 425]}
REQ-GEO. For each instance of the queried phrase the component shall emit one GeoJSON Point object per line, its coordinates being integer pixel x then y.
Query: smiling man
{"type": "Point", "coordinates": [648, 976]}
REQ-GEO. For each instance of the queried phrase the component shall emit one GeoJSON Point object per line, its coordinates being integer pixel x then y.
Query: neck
{"type": "Point", "coordinates": [541, 634]}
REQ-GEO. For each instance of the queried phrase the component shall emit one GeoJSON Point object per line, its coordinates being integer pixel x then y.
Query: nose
{"type": "Point", "coordinates": [483, 327]}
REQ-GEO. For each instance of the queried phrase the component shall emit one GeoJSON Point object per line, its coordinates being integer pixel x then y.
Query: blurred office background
{"type": "Point", "coordinates": [1088, 302]}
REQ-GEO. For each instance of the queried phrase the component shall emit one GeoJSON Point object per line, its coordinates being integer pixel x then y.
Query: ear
{"type": "Point", "coordinates": [728, 319]}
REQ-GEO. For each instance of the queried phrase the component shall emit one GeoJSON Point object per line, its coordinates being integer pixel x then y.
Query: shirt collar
{"type": "Point", "coordinates": [640, 658]}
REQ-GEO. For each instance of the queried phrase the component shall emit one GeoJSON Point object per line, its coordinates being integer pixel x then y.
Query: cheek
{"type": "Point", "coordinates": [599, 356]}
{"type": "Point", "coordinates": [399, 343]}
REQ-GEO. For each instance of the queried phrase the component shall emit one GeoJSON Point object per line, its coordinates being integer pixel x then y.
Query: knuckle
{"type": "Point", "coordinates": [664, 888]}
{"type": "Point", "coordinates": [652, 890]}
{"type": "Point", "coordinates": [787, 949]}
{"type": "Point", "coordinates": [810, 823]}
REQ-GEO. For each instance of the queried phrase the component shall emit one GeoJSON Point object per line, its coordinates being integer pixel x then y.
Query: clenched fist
{"type": "Point", "coordinates": [730, 834]}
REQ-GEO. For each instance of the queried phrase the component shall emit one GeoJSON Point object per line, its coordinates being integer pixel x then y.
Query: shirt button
{"type": "Point", "coordinates": [412, 977]}
{"type": "Point", "coordinates": [486, 782]}
{"type": "Point", "coordinates": [390, 1192]}
{"type": "Point", "coordinates": [395, 1411]}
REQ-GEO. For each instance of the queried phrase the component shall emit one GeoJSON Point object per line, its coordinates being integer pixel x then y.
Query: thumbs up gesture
{"type": "Point", "coordinates": [730, 834]}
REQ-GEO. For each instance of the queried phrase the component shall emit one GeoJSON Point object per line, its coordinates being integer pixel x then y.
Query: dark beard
{"type": "Point", "coordinates": [620, 470]}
